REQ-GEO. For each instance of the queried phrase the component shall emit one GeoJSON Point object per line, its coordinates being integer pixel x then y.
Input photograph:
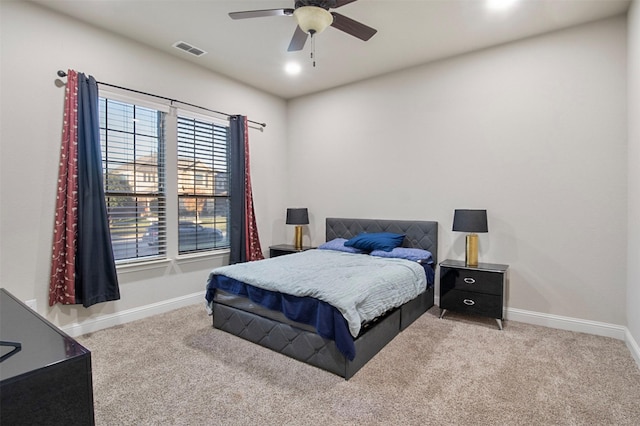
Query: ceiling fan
{"type": "Point", "coordinates": [313, 17]}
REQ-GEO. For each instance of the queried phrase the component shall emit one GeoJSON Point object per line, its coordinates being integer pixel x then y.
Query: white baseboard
{"type": "Point", "coordinates": [582, 326]}
{"type": "Point", "coordinates": [564, 323]}
{"type": "Point", "coordinates": [106, 321]}
{"type": "Point", "coordinates": [633, 347]}
{"type": "Point", "coordinates": [567, 323]}
{"type": "Point", "coordinates": [512, 314]}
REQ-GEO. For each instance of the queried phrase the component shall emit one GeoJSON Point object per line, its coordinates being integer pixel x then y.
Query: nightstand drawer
{"type": "Point", "coordinates": [473, 303]}
{"type": "Point", "coordinates": [471, 280]}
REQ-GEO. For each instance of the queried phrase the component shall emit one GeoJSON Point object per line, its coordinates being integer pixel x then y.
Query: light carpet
{"type": "Point", "coordinates": [175, 369]}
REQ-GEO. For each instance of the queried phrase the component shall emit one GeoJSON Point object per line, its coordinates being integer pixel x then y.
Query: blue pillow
{"type": "Point", "coordinates": [385, 241]}
{"type": "Point", "coordinates": [338, 245]}
{"type": "Point", "coordinates": [415, 254]}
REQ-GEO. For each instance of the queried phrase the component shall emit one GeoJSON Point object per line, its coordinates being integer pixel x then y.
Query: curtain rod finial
{"type": "Point", "coordinates": [61, 73]}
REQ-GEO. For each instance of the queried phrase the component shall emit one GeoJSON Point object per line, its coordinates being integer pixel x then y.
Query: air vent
{"type": "Point", "coordinates": [189, 48]}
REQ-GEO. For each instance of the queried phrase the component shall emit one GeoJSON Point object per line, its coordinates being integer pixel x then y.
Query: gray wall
{"type": "Point", "coordinates": [35, 44]}
{"type": "Point", "coordinates": [533, 131]}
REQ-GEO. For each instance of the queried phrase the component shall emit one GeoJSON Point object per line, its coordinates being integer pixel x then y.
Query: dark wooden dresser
{"type": "Point", "coordinates": [45, 375]}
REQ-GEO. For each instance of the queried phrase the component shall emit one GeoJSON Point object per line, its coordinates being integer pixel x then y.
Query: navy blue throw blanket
{"type": "Point", "coordinates": [327, 320]}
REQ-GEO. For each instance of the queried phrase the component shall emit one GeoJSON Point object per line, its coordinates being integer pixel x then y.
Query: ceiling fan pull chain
{"type": "Point", "coordinates": [313, 50]}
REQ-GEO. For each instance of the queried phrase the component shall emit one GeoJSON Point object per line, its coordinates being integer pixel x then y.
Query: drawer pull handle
{"type": "Point", "coordinates": [469, 280]}
{"type": "Point", "coordinates": [468, 302]}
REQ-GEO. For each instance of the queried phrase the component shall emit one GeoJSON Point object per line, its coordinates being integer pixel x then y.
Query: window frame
{"type": "Point", "coordinates": [171, 216]}
{"type": "Point", "coordinates": [210, 180]}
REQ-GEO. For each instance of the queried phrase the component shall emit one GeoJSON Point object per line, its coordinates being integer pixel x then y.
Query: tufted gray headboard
{"type": "Point", "coordinates": [418, 233]}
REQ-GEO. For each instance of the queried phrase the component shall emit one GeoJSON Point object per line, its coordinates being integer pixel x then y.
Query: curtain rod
{"type": "Point", "coordinates": [263, 125]}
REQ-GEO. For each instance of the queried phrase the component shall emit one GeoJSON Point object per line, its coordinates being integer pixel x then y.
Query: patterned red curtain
{"type": "Point", "coordinates": [245, 244]}
{"type": "Point", "coordinates": [252, 246]}
{"type": "Point", "coordinates": [82, 267]}
{"type": "Point", "coordinates": [65, 232]}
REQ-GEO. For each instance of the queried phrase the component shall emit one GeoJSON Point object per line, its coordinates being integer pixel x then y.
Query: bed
{"type": "Point", "coordinates": [235, 312]}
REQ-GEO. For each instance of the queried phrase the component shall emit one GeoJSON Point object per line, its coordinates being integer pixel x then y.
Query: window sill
{"type": "Point", "coordinates": [196, 257]}
{"type": "Point", "coordinates": [163, 264]}
{"type": "Point", "coordinates": [142, 266]}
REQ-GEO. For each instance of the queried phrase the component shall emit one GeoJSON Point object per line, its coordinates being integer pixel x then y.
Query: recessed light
{"type": "Point", "coordinates": [500, 4]}
{"type": "Point", "coordinates": [292, 68]}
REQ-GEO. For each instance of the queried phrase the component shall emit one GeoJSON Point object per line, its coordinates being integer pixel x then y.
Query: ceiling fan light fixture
{"type": "Point", "coordinates": [313, 19]}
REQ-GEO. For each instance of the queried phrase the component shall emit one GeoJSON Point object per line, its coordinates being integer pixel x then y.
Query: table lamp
{"type": "Point", "coordinates": [471, 221]}
{"type": "Point", "coordinates": [298, 217]}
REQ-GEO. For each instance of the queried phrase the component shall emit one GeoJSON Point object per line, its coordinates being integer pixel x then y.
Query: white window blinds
{"type": "Point", "coordinates": [133, 146]}
{"type": "Point", "coordinates": [203, 184]}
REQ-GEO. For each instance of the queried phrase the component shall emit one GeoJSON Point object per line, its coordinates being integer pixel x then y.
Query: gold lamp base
{"type": "Point", "coordinates": [471, 254]}
{"type": "Point", "coordinates": [298, 237]}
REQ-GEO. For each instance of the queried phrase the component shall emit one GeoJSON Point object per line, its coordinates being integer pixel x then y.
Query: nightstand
{"type": "Point", "coordinates": [282, 249]}
{"type": "Point", "coordinates": [477, 290]}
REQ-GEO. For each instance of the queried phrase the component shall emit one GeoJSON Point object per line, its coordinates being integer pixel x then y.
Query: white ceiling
{"type": "Point", "coordinates": [254, 51]}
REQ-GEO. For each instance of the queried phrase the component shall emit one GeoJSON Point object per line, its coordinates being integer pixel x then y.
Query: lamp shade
{"type": "Point", "coordinates": [313, 19]}
{"type": "Point", "coordinates": [470, 221]}
{"type": "Point", "coordinates": [297, 216]}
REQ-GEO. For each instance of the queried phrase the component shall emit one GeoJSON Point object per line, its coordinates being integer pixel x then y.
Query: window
{"type": "Point", "coordinates": [132, 139]}
{"type": "Point", "coordinates": [203, 196]}
{"type": "Point", "coordinates": [134, 142]}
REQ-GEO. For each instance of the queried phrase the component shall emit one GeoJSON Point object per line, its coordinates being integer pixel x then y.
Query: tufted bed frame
{"type": "Point", "coordinates": [239, 316]}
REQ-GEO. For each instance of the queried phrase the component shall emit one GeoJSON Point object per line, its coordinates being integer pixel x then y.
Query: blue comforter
{"type": "Point", "coordinates": [332, 291]}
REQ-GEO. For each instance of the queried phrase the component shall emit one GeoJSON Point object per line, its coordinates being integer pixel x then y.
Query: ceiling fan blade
{"type": "Point", "coordinates": [352, 27]}
{"type": "Point", "coordinates": [298, 40]}
{"type": "Point", "coordinates": [342, 3]}
{"type": "Point", "coordinates": [260, 13]}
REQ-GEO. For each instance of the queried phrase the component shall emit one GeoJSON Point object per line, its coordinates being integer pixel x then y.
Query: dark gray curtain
{"type": "Point", "coordinates": [243, 232]}
{"type": "Point", "coordinates": [237, 236]}
{"type": "Point", "coordinates": [96, 279]}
